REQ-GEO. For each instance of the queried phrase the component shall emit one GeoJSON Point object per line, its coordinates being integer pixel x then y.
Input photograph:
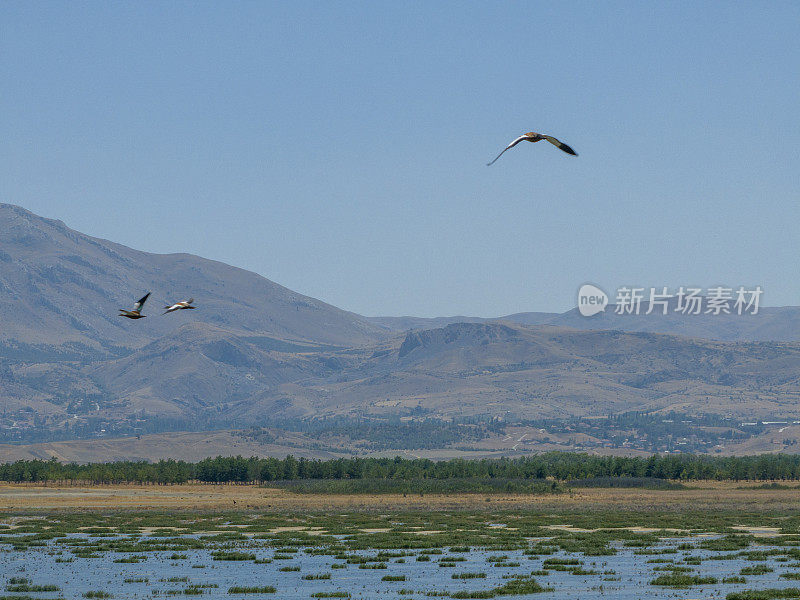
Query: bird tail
{"type": "Point", "coordinates": [495, 158]}
{"type": "Point", "coordinates": [498, 156]}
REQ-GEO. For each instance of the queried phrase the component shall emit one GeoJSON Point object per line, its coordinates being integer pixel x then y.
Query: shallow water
{"type": "Point", "coordinates": [632, 573]}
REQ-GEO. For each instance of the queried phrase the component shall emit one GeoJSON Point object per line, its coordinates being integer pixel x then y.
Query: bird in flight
{"type": "Point", "coordinates": [183, 304]}
{"type": "Point", "coordinates": [136, 313]}
{"type": "Point", "coordinates": [532, 136]}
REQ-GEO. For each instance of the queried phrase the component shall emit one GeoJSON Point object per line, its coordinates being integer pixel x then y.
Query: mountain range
{"type": "Point", "coordinates": [256, 353]}
{"type": "Point", "coordinates": [769, 324]}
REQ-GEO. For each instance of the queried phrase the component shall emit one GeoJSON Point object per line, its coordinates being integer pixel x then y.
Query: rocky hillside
{"type": "Point", "coordinates": [256, 353]}
{"type": "Point", "coordinates": [60, 291]}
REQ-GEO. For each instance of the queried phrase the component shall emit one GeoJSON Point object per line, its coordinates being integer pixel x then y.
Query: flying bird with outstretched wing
{"type": "Point", "coordinates": [136, 313]}
{"type": "Point", "coordinates": [182, 305]}
{"type": "Point", "coordinates": [532, 136]}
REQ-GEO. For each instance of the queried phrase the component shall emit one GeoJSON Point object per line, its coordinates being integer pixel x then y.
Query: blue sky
{"type": "Point", "coordinates": [340, 148]}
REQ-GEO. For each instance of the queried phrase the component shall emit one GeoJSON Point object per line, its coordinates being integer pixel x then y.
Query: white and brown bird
{"type": "Point", "coordinates": [136, 313]}
{"type": "Point", "coordinates": [532, 136]}
{"type": "Point", "coordinates": [183, 304]}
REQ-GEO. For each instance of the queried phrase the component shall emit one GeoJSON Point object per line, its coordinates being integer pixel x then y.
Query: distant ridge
{"type": "Point", "coordinates": [778, 324]}
{"type": "Point", "coordinates": [409, 323]}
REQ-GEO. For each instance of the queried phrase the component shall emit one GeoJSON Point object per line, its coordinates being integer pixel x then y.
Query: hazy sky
{"type": "Point", "coordinates": [340, 148]}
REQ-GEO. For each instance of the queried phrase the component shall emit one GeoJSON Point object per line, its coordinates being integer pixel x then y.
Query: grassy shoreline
{"type": "Point", "coordinates": [708, 496]}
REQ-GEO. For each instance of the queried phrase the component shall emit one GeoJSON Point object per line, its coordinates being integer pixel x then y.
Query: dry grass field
{"type": "Point", "coordinates": [698, 496]}
{"type": "Point", "coordinates": [179, 445]}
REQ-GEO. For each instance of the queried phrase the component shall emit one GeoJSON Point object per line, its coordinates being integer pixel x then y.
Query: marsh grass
{"type": "Point", "coordinates": [375, 540]}
{"type": "Point", "coordinates": [519, 586]}
{"type": "Point", "coordinates": [756, 570]}
{"type": "Point", "coordinates": [380, 565]}
{"type": "Point", "coordinates": [28, 587]}
{"type": "Point", "coordinates": [232, 555]}
{"type": "Point", "coordinates": [682, 580]}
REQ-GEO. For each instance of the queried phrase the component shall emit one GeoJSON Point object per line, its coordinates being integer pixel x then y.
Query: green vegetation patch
{"type": "Point", "coordinates": [681, 580]}
{"type": "Point", "coordinates": [232, 555]}
{"type": "Point", "coordinates": [756, 570]}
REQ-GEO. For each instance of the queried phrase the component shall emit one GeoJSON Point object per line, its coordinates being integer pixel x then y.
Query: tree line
{"type": "Point", "coordinates": [561, 466]}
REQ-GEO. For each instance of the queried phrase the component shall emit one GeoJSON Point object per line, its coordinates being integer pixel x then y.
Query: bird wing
{"type": "Point", "coordinates": [190, 300]}
{"type": "Point", "coordinates": [511, 145]}
{"type": "Point", "coordinates": [560, 145]}
{"type": "Point", "coordinates": [140, 302]}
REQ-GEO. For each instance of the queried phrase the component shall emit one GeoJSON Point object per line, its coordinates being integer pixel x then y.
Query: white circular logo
{"type": "Point", "coordinates": [591, 300]}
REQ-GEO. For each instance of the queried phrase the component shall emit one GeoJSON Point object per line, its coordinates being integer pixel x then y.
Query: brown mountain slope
{"type": "Point", "coordinates": [206, 377]}
{"type": "Point", "coordinates": [60, 291]}
{"type": "Point", "coordinates": [505, 370]}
